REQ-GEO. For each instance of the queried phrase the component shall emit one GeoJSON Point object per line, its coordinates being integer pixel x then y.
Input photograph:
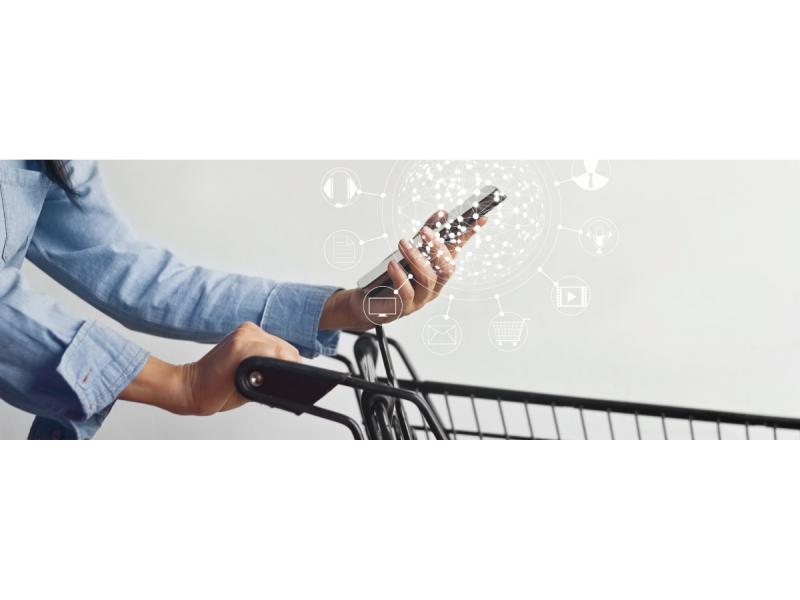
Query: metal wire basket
{"type": "Point", "coordinates": [412, 408]}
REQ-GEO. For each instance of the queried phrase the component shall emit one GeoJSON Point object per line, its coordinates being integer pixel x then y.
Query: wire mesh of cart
{"type": "Point", "coordinates": [411, 408]}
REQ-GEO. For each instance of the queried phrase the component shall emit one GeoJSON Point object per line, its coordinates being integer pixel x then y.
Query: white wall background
{"type": "Point", "coordinates": [696, 307]}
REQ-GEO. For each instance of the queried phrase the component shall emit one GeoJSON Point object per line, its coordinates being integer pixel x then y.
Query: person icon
{"type": "Point", "coordinates": [594, 175]}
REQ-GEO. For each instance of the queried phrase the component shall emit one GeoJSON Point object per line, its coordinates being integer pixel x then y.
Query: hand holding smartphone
{"type": "Point", "coordinates": [451, 227]}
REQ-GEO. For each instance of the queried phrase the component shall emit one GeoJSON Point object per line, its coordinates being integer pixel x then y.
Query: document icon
{"type": "Point", "coordinates": [442, 334]}
{"type": "Point", "coordinates": [382, 307]}
{"type": "Point", "coordinates": [344, 250]}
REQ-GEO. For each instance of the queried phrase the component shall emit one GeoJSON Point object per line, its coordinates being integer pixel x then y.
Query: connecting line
{"type": "Point", "coordinates": [449, 304]}
{"type": "Point", "coordinates": [553, 281]}
{"type": "Point", "coordinates": [373, 194]}
{"type": "Point", "coordinates": [562, 228]}
{"type": "Point", "coordinates": [558, 183]}
{"type": "Point", "coordinates": [499, 306]}
{"type": "Point", "coordinates": [409, 278]}
{"type": "Point", "coordinates": [380, 237]}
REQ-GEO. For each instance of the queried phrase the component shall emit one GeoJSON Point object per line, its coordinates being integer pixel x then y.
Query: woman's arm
{"type": "Point", "coordinates": [89, 249]}
{"type": "Point", "coordinates": [66, 370]}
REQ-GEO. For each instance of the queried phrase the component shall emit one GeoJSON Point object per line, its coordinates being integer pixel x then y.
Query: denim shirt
{"type": "Point", "coordinates": [69, 371]}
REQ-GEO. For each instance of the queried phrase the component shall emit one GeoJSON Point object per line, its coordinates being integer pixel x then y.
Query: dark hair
{"type": "Point", "coordinates": [59, 172]}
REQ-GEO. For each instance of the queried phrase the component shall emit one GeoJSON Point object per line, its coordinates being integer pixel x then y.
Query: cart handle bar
{"type": "Point", "coordinates": [310, 384]}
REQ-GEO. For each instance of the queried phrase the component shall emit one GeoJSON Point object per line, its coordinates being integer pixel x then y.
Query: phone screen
{"type": "Point", "coordinates": [461, 219]}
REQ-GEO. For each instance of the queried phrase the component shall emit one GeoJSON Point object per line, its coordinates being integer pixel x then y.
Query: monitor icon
{"type": "Point", "coordinates": [383, 307]}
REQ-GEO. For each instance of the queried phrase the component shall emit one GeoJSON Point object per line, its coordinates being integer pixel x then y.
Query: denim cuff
{"type": "Point", "coordinates": [293, 311]}
{"type": "Point", "coordinates": [98, 364]}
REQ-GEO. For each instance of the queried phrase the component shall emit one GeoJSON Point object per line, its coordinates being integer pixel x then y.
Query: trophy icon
{"type": "Point", "coordinates": [599, 236]}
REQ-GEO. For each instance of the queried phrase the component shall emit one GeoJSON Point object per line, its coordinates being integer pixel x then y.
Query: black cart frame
{"type": "Point", "coordinates": [411, 408]}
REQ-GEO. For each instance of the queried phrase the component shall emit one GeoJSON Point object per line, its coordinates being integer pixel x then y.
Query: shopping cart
{"type": "Point", "coordinates": [410, 408]}
{"type": "Point", "coordinates": [508, 332]}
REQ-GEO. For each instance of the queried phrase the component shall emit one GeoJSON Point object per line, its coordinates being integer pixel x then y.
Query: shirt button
{"type": "Point", "coordinates": [56, 434]}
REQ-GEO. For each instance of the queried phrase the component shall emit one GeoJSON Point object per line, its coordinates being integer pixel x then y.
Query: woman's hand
{"type": "Point", "coordinates": [345, 308]}
{"type": "Point", "coordinates": [207, 386]}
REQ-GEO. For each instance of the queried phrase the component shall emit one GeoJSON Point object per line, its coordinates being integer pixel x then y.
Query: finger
{"type": "Point", "coordinates": [281, 349]}
{"type": "Point", "coordinates": [482, 221]}
{"type": "Point", "coordinates": [266, 344]}
{"type": "Point", "coordinates": [288, 353]}
{"type": "Point", "coordinates": [437, 220]}
{"type": "Point", "coordinates": [233, 401]}
{"type": "Point", "coordinates": [403, 286]}
{"type": "Point", "coordinates": [441, 260]}
{"type": "Point", "coordinates": [421, 269]}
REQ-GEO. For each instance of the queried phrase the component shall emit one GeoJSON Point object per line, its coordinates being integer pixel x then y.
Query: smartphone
{"type": "Point", "coordinates": [462, 219]}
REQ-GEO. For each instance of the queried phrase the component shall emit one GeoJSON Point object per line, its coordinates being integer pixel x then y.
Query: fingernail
{"type": "Point", "coordinates": [427, 231]}
{"type": "Point", "coordinates": [405, 244]}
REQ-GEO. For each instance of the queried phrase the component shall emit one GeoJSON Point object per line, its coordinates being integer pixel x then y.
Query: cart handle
{"type": "Point", "coordinates": [296, 388]}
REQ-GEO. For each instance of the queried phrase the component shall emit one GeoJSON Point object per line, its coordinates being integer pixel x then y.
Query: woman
{"type": "Point", "coordinates": [69, 372]}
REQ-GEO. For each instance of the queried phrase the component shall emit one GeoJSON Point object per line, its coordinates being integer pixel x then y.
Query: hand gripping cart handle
{"type": "Point", "coordinates": [296, 388]}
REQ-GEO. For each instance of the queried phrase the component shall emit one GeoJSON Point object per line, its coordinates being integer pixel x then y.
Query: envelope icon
{"type": "Point", "coordinates": [445, 334]}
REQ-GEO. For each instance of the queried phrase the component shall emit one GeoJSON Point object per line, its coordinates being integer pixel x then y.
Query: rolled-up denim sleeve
{"type": "Point", "coordinates": [66, 370]}
{"type": "Point", "coordinates": [90, 250]}
{"type": "Point", "coordinates": [293, 311]}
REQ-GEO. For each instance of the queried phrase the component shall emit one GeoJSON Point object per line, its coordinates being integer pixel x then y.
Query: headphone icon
{"type": "Point", "coordinates": [340, 187]}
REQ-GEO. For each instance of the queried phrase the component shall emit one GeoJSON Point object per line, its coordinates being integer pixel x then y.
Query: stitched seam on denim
{"type": "Point", "coordinates": [270, 296]}
{"type": "Point", "coordinates": [137, 355]}
{"type": "Point", "coordinates": [5, 221]}
{"type": "Point", "coordinates": [94, 393]}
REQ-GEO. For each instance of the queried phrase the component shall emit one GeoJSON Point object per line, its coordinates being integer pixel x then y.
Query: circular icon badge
{"type": "Point", "coordinates": [508, 331]}
{"type": "Point", "coordinates": [442, 335]}
{"type": "Point", "coordinates": [571, 296]}
{"type": "Point", "coordinates": [382, 305]}
{"type": "Point", "coordinates": [343, 250]}
{"type": "Point", "coordinates": [599, 236]}
{"type": "Point", "coordinates": [340, 187]}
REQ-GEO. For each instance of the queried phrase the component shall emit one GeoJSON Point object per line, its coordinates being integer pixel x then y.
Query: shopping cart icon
{"type": "Point", "coordinates": [508, 332]}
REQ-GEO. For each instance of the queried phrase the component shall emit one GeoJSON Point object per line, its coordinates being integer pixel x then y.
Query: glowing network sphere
{"type": "Point", "coordinates": [520, 231]}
